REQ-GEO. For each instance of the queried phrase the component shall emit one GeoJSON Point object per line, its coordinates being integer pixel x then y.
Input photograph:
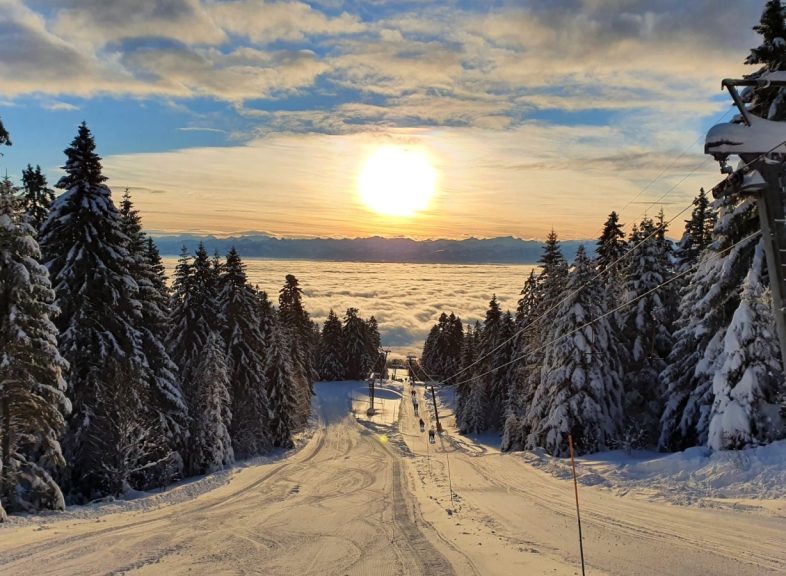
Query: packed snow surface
{"type": "Point", "coordinates": [368, 494]}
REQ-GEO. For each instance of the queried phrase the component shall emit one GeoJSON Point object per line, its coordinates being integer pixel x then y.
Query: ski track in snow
{"type": "Point", "coordinates": [371, 496]}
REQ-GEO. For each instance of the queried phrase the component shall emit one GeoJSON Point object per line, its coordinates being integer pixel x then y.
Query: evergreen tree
{"type": "Point", "coordinates": [768, 101]}
{"type": "Point", "coordinates": [698, 233]}
{"type": "Point", "coordinates": [611, 245]}
{"type": "Point", "coordinates": [160, 372]}
{"type": "Point", "coordinates": [37, 198]}
{"type": "Point", "coordinates": [212, 443]}
{"type": "Point", "coordinates": [88, 260]}
{"type": "Point", "coordinates": [194, 314]}
{"type": "Point", "coordinates": [33, 403]}
{"type": "Point", "coordinates": [267, 317]}
{"type": "Point", "coordinates": [355, 338]}
{"type": "Point", "coordinates": [129, 448]}
{"type": "Point", "coordinates": [524, 371]}
{"type": "Point", "coordinates": [442, 350]}
{"type": "Point", "coordinates": [551, 285]}
{"type": "Point", "coordinates": [331, 365]}
{"type": "Point", "coordinates": [245, 360]}
{"type": "Point", "coordinates": [463, 386]}
{"type": "Point", "coordinates": [706, 308]}
{"type": "Point", "coordinates": [281, 390]}
{"type": "Point", "coordinates": [749, 380]}
{"type": "Point", "coordinates": [646, 329]}
{"type": "Point", "coordinates": [580, 393]}
{"type": "Point", "coordinates": [293, 318]}
{"type": "Point", "coordinates": [375, 360]}
{"type": "Point", "coordinates": [5, 137]}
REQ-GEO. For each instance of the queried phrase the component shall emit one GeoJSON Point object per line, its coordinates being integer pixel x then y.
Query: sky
{"type": "Point", "coordinates": [226, 117]}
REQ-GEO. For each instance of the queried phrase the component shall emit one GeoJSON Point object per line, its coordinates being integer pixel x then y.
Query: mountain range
{"type": "Point", "coordinates": [502, 250]}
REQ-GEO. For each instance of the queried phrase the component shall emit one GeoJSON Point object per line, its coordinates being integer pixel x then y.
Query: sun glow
{"type": "Point", "coordinates": [397, 181]}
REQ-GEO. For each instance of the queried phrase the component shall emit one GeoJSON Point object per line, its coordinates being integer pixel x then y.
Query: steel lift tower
{"type": "Point", "coordinates": [761, 145]}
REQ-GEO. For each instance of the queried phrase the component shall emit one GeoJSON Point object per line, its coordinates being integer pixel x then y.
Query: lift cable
{"type": "Point", "coordinates": [613, 311]}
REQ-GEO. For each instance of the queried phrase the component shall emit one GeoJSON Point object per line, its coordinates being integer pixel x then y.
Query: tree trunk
{"type": "Point", "coordinates": [5, 451]}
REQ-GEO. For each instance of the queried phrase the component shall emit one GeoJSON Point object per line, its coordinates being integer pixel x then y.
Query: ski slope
{"type": "Point", "coordinates": [369, 495]}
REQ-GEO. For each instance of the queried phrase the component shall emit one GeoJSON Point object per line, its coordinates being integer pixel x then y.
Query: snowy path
{"type": "Point", "coordinates": [365, 498]}
{"type": "Point", "coordinates": [521, 520]}
{"type": "Point", "coordinates": [338, 506]}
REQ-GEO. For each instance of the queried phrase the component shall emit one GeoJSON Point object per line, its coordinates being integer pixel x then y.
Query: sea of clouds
{"type": "Point", "coordinates": [406, 299]}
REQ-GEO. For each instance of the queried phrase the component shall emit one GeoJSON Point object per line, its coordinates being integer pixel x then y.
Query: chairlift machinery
{"type": "Point", "coordinates": [761, 146]}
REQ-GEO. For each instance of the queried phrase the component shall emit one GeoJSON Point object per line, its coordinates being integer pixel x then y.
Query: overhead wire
{"type": "Point", "coordinates": [658, 229]}
{"type": "Point", "coordinates": [610, 312]}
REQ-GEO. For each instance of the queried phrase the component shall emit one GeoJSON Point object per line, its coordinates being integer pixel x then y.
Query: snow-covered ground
{"type": "Point", "coordinates": [370, 495]}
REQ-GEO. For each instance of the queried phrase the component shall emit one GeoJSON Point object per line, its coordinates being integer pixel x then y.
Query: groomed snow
{"type": "Point", "coordinates": [370, 495]}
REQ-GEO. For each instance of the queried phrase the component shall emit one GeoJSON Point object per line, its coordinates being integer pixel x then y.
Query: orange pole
{"type": "Point", "coordinates": [576, 490]}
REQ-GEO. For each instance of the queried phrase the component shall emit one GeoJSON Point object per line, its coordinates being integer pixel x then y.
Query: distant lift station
{"type": "Point", "coordinates": [761, 145]}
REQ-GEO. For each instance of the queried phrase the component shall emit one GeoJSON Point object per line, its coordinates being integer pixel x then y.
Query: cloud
{"type": "Point", "coordinates": [266, 22]}
{"type": "Point", "coordinates": [520, 182]}
{"type": "Point", "coordinates": [60, 106]}
{"type": "Point", "coordinates": [420, 63]}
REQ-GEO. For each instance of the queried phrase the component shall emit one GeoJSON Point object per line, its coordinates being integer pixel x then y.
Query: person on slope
{"type": "Point", "coordinates": [415, 406]}
{"type": "Point", "coordinates": [422, 425]}
{"type": "Point", "coordinates": [432, 436]}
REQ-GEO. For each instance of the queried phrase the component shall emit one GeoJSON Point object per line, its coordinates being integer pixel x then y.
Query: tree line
{"type": "Point", "coordinates": [691, 360]}
{"type": "Point", "coordinates": [112, 380]}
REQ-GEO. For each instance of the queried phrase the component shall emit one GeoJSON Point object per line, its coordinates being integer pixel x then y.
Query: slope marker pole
{"type": "Point", "coordinates": [576, 490]}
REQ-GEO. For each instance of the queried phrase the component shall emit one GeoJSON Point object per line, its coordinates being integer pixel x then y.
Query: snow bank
{"type": "Point", "coordinates": [698, 476]}
{"type": "Point", "coordinates": [690, 477]}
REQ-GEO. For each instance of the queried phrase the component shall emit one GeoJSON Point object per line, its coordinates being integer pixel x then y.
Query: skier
{"type": "Point", "coordinates": [422, 425]}
{"type": "Point", "coordinates": [432, 438]}
{"type": "Point", "coordinates": [415, 406]}
{"type": "Point", "coordinates": [412, 393]}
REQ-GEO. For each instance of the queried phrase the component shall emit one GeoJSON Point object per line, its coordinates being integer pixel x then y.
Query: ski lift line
{"type": "Point", "coordinates": [610, 312]}
{"type": "Point", "coordinates": [681, 154]}
{"type": "Point", "coordinates": [597, 275]}
{"type": "Point", "coordinates": [678, 184]}
{"type": "Point", "coordinates": [610, 266]}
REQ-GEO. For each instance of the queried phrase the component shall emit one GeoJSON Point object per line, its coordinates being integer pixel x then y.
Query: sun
{"type": "Point", "coordinates": [397, 181]}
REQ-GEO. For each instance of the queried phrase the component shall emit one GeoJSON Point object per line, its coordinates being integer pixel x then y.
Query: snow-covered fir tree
{"type": "Point", "coordinates": [490, 386]}
{"type": "Point", "coordinates": [374, 344]}
{"type": "Point", "coordinates": [194, 315]}
{"type": "Point", "coordinates": [281, 390]}
{"type": "Point", "coordinates": [130, 447]}
{"type": "Point", "coordinates": [749, 380]}
{"type": "Point", "coordinates": [580, 393]}
{"type": "Point", "coordinates": [212, 443]}
{"type": "Point", "coordinates": [523, 371]}
{"type": "Point", "coordinates": [36, 196]}
{"type": "Point", "coordinates": [91, 270]}
{"type": "Point", "coordinates": [331, 364]}
{"type": "Point", "coordinates": [33, 404]}
{"type": "Point", "coordinates": [611, 246]}
{"type": "Point", "coordinates": [468, 355]}
{"type": "Point", "coordinates": [768, 101]}
{"type": "Point", "coordinates": [267, 316]}
{"type": "Point", "coordinates": [709, 301]}
{"type": "Point", "coordinates": [354, 337]}
{"type": "Point", "coordinates": [441, 356]}
{"type": "Point", "coordinates": [160, 372]}
{"type": "Point", "coordinates": [707, 305]}
{"type": "Point", "coordinates": [293, 318]}
{"type": "Point", "coordinates": [646, 328]}
{"type": "Point", "coordinates": [551, 286]}
{"type": "Point", "coordinates": [245, 360]}
{"type": "Point", "coordinates": [697, 235]}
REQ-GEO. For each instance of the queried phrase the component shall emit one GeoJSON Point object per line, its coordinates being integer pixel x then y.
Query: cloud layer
{"type": "Point", "coordinates": [406, 299]}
